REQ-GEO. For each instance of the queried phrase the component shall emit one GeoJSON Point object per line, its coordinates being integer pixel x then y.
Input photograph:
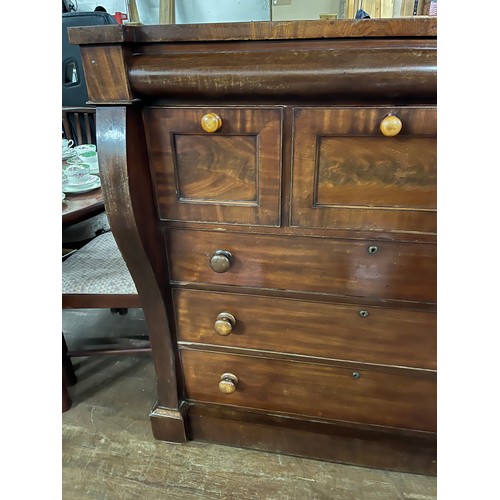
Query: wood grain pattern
{"type": "Point", "coordinates": [372, 172]}
{"type": "Point", "coordinates": [250, 72]}
{"type": "Point", "coordinates": [397, 271]}
{"type": "Point", "coordinates": [230, 176]}
{"type": "Point", "coordinates": [314, 390]}
{"type": "Point", "coordinates": [106, 74]}
{"type": "Point", "coordinates": [219, 168]}
{"type": "Point", "coordinates": [122, 155]}
{"type": "Point", "coordinates": [108, 420]}
{"type": "Point", "coordinates": [300, 106]}
{"type": "Point", "coordinates": [281, 30]}
{"type": "Point", "coordinates": [382, 448]}
{"type": "Point", "coordinates": [347, 175]}
{"type": "Point", "coordinates": [385, 336]}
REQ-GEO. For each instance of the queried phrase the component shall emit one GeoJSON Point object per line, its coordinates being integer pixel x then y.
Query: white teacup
{"type": "Point", "coordinates": [66, 144]}
{"type": "Point", "coordinates": [88, 157]}
{"type": "Point", "coordinates": [77, 160]}
{"type": "Point", "coordinates": [81, 148]}
{"type": "Point", "coordinates": [77, 174]}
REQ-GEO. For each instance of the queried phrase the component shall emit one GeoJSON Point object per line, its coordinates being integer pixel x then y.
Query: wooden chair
{"type": "Point", "coordinates": [78, 124]}
{"type": "Point", "coordinates": [96, 276]}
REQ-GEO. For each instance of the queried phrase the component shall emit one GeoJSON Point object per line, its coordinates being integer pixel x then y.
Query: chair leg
{"type": "Point", "coordinates": [120, 310]}
{"type": "Point", "coordinates": [69, 375]}
{"type": "Point", "coordinates": [66, 400]}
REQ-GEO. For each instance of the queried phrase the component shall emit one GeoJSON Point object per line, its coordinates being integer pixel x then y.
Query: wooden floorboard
{"type": "Point", "coordinates": [109, 452]}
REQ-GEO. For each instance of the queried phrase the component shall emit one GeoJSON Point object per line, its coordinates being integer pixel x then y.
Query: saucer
{"type": "Point", "coordinates": [68, 154]}
{"type": "Point", "coordinates": [94, 183]}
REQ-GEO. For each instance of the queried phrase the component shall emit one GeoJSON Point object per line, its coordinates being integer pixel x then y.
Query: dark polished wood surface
{"type": "Point", "coordinates": [129, 207]}
{"type": "Point", "coordinates": [336, 331]}
{"type": "Point", "coordinates": [159, 72]}
{"type": "Point", "coordinates": [343, 28]}
{"type": "Point", "coordinates": [221, 167]}
{"type": "Point", "coordinates": [79, 207]}
{"type": "Point", "coordinates": [314, 390]}
{"type": "Point", "coordinates": [248, 70]}
{"type": "Point", "coordinates": [348, 165]}
{"type": "Point", "coordinates": [234, 177]}
{"type": "Point", "coordinates": [398, 271]}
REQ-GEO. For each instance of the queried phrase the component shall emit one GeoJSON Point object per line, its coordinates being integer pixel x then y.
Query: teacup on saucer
{"type": "Point", "coordinates": [82, 148]}
{"type": "Point", "coordinates": [88, 156]}
{"type": "Point", "coordinates": [77, 174]}
{"type": "Point", "coordinates": [78, 160]}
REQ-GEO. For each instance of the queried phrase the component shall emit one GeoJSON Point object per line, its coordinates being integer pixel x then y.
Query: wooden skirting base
{"type": "Point", "coordinates": [380, 448]}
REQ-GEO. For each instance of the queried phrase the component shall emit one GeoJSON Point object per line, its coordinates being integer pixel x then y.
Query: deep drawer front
{"type": "Point", "coordinates": [348, 175]}
{"type": "Point", "coordinates": [400, 271]}
{"type": "Point", "coordinates": [231, 175]}
{"type": "Point", "coordinates": [364, 334]}
{"type": "Point", "coordinates": [403, 401]}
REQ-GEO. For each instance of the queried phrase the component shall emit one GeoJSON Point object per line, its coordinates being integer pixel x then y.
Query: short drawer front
{"type": "Point", "coordinates": [348, 175]}
{"type": "Point", "coordinates": [231, 175]}
{"type": "Point", "coordinates": [353, 333]}
{"type": "Point", "coordinates": [369, 397]}
{"type": "Point", "coordinates": [399, 271]}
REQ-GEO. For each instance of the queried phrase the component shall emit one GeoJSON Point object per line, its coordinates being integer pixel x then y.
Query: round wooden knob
{"type": "Point", "coordinates": [211, 122]}
{"type": "Point", "coordinates": [391, 125]}
{"type": "Point", "coordinates": [224, 323]}
{"type": "Point", "coordinates": [227, 383]}
{"type": "Point", "coordinates": [221, 261]}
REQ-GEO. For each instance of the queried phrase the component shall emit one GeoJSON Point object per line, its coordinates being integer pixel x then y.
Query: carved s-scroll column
{"type": "Point", "coordinates": [129, 204]}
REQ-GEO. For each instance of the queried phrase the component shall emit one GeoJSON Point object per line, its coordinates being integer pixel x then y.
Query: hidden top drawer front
{"type": "Point", "coordinates": [406, 400]}
{"type": "Point", "coordinates": [377, 335]}
{"type": "Point", "coordinates": [218, 165]}
{"type": "Point", "coordinates": [365, 169]}
{"type": "Point", "coordinates": [380, 270]}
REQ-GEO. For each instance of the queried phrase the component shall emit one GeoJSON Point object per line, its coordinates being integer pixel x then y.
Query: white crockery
{"type": "Point", "coordinates": [93, 183]}
{"type": "Point", "coordinates": [78, 174]}
{"type": "Point", "coordinates": [88, 156]}
{"type": "Point", "coordinates": [77, 160]}
{"type": "Point", "coordinates": [81, 148]}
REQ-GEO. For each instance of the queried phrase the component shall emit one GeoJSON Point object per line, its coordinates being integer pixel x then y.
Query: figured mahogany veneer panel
{"type": "Point", "coordinates": [400, 271]}
{"type": "Point", "coordinates": [395, 400]}
{"type": "Point", "coordinates": [229, 176]}
{"type": "Point", "coordinates": [337, 331]}
{"type": "Point", "coordinates": [348, 175]}
{"type": "Point", "coordinates": [219, 168]}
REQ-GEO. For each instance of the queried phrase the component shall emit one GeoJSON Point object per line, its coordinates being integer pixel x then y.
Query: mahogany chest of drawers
{"type": "Point", "coordinates": [272, 187]}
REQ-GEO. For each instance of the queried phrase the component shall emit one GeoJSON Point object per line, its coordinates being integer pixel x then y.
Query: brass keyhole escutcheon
{"type": "Point", "coordinates": [391, 126]}
{"type": "Point", "coordinates": [363, 313]}
{"type": "Point", "coordinates": [221, 261]}
{"type": "Point", "coordinates": [228, 383]}
{"type": "Point", "coordinates": [224, 324]}
{"type": "Point", "coordinates": [356, 375]}
{"type": "Point", "coordinates": [211, 122]}
{"type": "Point", "coordinates": [373, 249]}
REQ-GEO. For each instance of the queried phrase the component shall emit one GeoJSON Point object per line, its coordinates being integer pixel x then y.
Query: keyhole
{"type": "Point", "coordinates": [373, 249]}
{"type": "Point", "coordinates": [355, 375]}
{"type": "Point", "coordinates": [363, 314]}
